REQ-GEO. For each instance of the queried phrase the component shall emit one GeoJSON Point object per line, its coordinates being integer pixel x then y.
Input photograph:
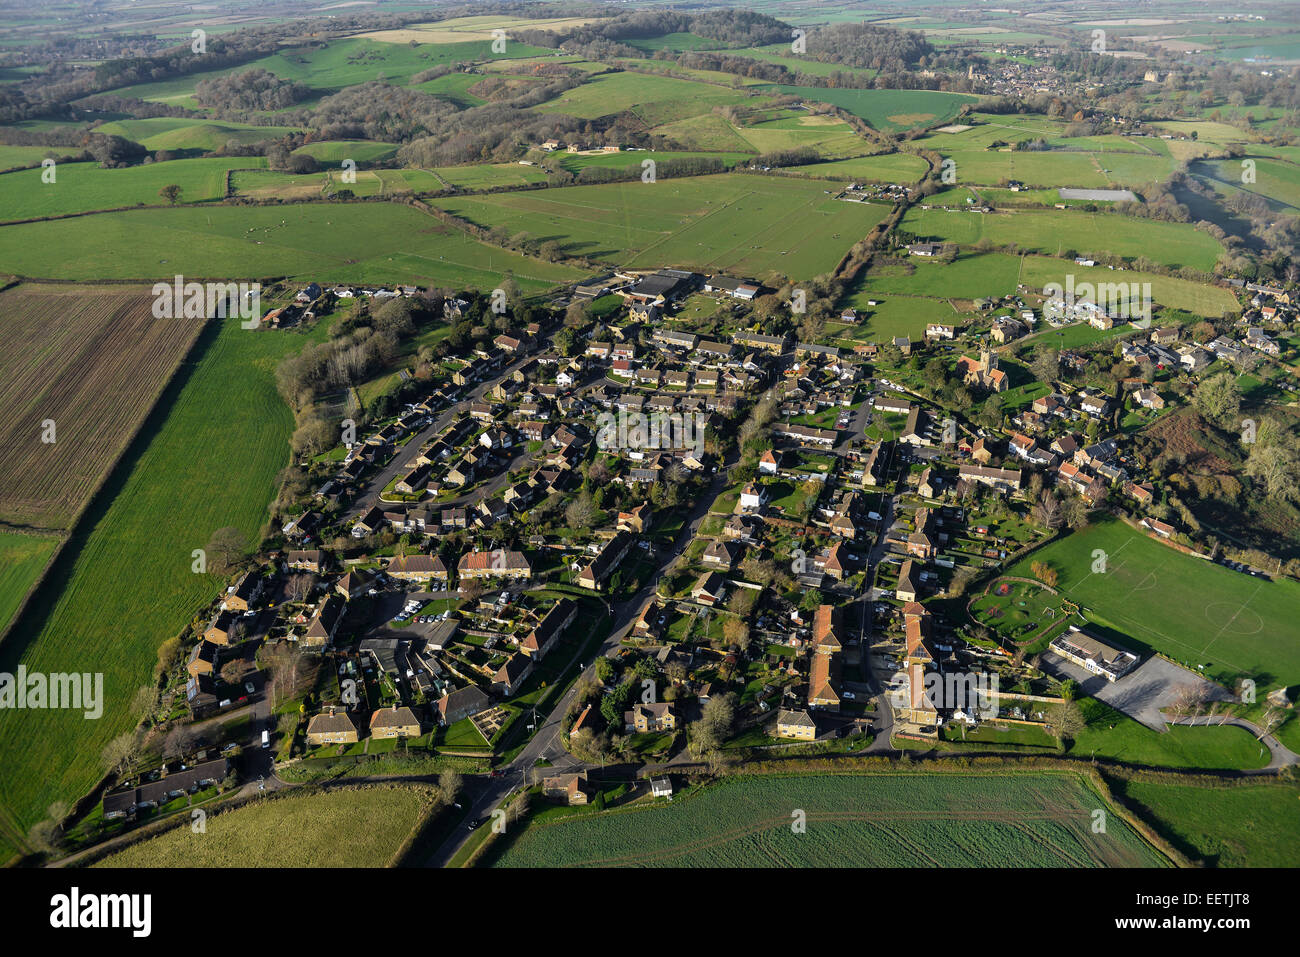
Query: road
{"type": "Point", "coordinates": [546, 742]}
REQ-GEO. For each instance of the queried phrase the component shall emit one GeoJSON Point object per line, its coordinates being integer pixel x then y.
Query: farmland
{"type": "Point", "coordinates": [897, 820]}
{"type": "Point", "coordinates": [887, 168]}
{"type": "Point", "coordinates": [82, 187]}
{"type": "Point", "coordinates": [1250, 825]}
{"type": "Point", "coordinates": [171, 133]}
{"type": "Point", "coordinates": [363, 242]}
{"type": "Point", "coordinates": [123, 584]}
{"type": "Point", "coordinates": [1187, 608]}
{"type": "Point", "coordinates": [101, 360]}
{"type": "Point", "coordinates": [22, 560]}
{"type": "Point", "coordinates": [655, 99]}
{"type": "Point", "coordinates": [354, 827]}
{"type": "Point", "coordinates": [887, 110]}
{"type": "Point", "coordinates": [1056, 231]}
{"type": "Point", "coordinates": [730, 221]}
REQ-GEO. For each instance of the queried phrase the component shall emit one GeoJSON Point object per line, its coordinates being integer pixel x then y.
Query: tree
{"type": "Point", "coordinates": [736, 633]}
{"type": "Point", "coordinates": [232, 670]}
{"type": "Point", "coordinates": [742, 601]}
{"type": "Point", "coordinates": [145, 702]}
{"type": "Point", "coordinates": [120, 754]}
{"type": "Point", "coordinates": [717, 719]}
{"type": "Point", "coordinates": [582, 512]}
{"type": "Point", "coordinates": [170, 655]}
{"type": "Point", "coordinates": [1218, 399]}
{"type": "Point", "coordinates": [449, 785]}
{"type": "Point", "coordinates": [1066, 720]}
{"type": "Point", "coordinates": [172, 193]}
{"type": "Point", "coordinates": [300, 584]}
{"type": "Point", "coordinates": [1046, 364]}
{"type": "Point", "coordinates": [227, 547]}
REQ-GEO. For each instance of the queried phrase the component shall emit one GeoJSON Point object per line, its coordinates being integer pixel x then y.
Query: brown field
{"type": "Point", "coordinates": [94, 360]}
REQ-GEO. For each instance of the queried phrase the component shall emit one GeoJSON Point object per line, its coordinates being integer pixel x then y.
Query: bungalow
{"type": "Point", "coordinates": [940, 330]}
{"type": "Point", "coordinates": [805, 434]}
{"type": "Point", "coordinates": [571, 788]}
{"type": "Point", "coordinates": [923, 249]}
{"type": "Point", "coordinates": [721, 554]}
{"type": "Point", "coordinates": [1148, 398]}
{"type": "Point", "coordinates": [1163, 529]}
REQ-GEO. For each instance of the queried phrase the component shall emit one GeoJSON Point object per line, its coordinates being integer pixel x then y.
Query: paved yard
{"type": "Point", "coordinates": [1141, 693]}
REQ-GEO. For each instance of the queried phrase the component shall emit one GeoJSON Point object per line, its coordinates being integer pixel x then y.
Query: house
{"type": "Point", "coordinates": [915, 428]}
{"type": "Point", "coordinates": [661, 788]}
{"type": "Point", "coordinates": [773, 344]}
{"type": "Point", "coordinates": [1163, 529]}
{"type": "Point", "coordinates": [246, 591]}
{"type": "Point", "coordinates": [1004, 480]}
{"type": "Point", "coordinates": [754, 497]}
{"type": "Point", "coordinates": [202, 660]}
{"type": "Point", "coordinates": [512, 674]}
{"type": "Point", "coordinates": [928, 483]}
{"type": "Point", "coordinates": [571, 789]}
{"type": "Point", "coordinates": [907, 588]}
{"type": "Point", "coordinates": [394, 722]}
{"type": "Point", "coordinates": [1088, 651]}
{"type": "Point", "coordinates": [332, 727]}
{"type": "Point", "coordinates": [923, 249]}
{"type": "Point", "coordinates": [721, 554]}
{"type": "Point", "coordinates": [710, 589]}
{"type": "Point", "coordinates": [544, 635]}
{"type": "Point", "coordinates": [418, 568]}
{"type": "Point", "coordinates": [770, 462]}
{"type": "Point", "coordinates": [644, 718]}
{"type": "Point", "coordinates": [151, 794]}
{"type": "Point", "coordinates": [608, 559]}
{"type": "Point", "coordinates": [795, 724]}
{"type": "Point", "coordinates": [1148, 398]}
{"type": "Point", "coordinates": [737, 288]}
{"type": "Point", "coordinates": [307, 561]}
{"type": "Point", "coordinates": [636, 520]}
{"type": "Point", "coordinates": [222, 629]}
{"type": "Point", "coordinates": [805, 434]}
{"type": "Point", "coordinates": [354, 584]}
{"type": "Point", "coordinates": [461, 704]}
{"type": "Point", "coordinates": [494, 563]}
{"type": "Point", "coordinates": [324, 624]}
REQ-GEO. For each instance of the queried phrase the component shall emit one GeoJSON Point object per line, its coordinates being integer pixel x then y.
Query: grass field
{"type": "Point", "coordinates": [1250, 825]}
{"type": "Point", "coordinates": [888, 168]}
{"type": "Point", "coordinates": [896, 316]}
{"type": "Point", "coordinates": [888, 110]}
{"type": "Point", "coordinates": [655, 99]}
{"type": "Point", "coordinates": [1277, 181]}
{"type": "Point", "coordinates": [94, 360]}
{"type": "Point", "coordinates": [22, 559]}
{"type": "Point", "coordinates": [830, 137]}
{"type": "Point", "coordinates": [359, 151]}
{"type": "Point", "coordinates": [969, 276]}
{"type": "Point", "coordinates": [83, 187]}
{"type": "Point", "coordinates": [1194, 297]}
{"type": "Point", "coordinates": [183, 133]}
{"type": "Point", "coordinates": [761, 226]}
{"type": "Point", "coordinates": [207, 459]}
{"type": "Point", "coordinates": [304, 187]}
{"type": "Point", "coordinates": [1054, 231]}
{"type": "Point", "coordinates": [1192, 610]}
{"type": "Point", "coordinates": [360, 827]}
{"type": "Point", "coordinates": [896, 820]}
{"type": "Point", "coordinates": [361, 242]}
{"type": "Point", "coordinates": [12, 157]}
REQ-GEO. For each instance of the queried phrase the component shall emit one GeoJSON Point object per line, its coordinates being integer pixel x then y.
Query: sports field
{"type": "Point", "coordinates": [370, 242]}
{"type": "Point", "coordinates": [1054, 231]}
{"type": "Point", "coordinates": [885, 820]}
{"type": "Point", "coordinates": [755, 225]}
{"type": "Point", "coordinates": [361, 827]}
{"type": "Point", "coordinates": [1192, 610]}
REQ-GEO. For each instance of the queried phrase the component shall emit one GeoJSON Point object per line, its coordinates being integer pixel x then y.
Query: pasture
{"type": "Point", "coordinates": [894, 819]}
{"type": "Point", "coordinates": [761, 226]}
{"type": "Point", "coordinates": [84, 187]}
{"type": "Point", "coordinates": [1055, 231]}
{"type": "Point", "coordinates": [969, 276]}
{"type": "Point", "coordinates": [207, 458]}
{"type": "Point", "coordinates": [180, 133]}
{"type": "Point", "coordinates": [655, 99]}
{"type": "Point", "coordinates": [352, 827]}
{"type": "Point", "coordinates": [93, 360]}
{"type": "Point", "coordinates": [887, 110]}
{"type": "Point", "coordinates": [22, 560]}
{"type": "Point", "coordinates": [885, 168]}
{"type": "Point", "coordinates": [342, 242]}
{"type": "Point", "coordinates": [1192, 610]}
{"type": "Point", "coordinates": [896, 316]}
{"type": "Point", "coordinates": [1197, 298]}
{"type": "Point", "coordinates": [359, 151]}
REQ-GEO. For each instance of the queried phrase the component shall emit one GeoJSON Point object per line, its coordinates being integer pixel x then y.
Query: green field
{"type": "Point", "coordinates": [488, 175]}
{"type": "Point", "coordinates": [1192, 610]}
{"type": "Point", "coordinates": [887, 110]}
{"type": "Point", "coordinates": [124, 582]}
{"type": "Point", "coordinates": [886, 820]}
{"type": "Point", "coordinates": [1276, 180]}
{"type": "Point", "coordinates": [337, 828]}
{"type": "Point", "coordinates": [1053, 231]}
{"type": "Point", "coordinates": [359, 151]}
{"type": "Point", "coordinates": [304, 187]}
{"type": "Point", "coordinates": [1251, 825]}
{"type": "Point", "coordinates": [889, 168]}
{"type": "Point", "coordinates": [360, 242]}
{"type": "Point", "coordinates": [22, 559]}
{"type": "Point", "coordinates": [13, 157]}
{"type": "Point", "coordinates": [654, 99]}
{"type": "Point", "coordinates": [760, 226]}
{"type": "Point", "coordinates": [831, 138]}
{"type": "Point", "coordinates": [1194, 297]}
{"type": "Point", "coordinates": [175, 133]}
{"type": "Point", "coordinates": [895, 316]}
{"type": "Point", "coordinates": [969, 276]}
{"type": "Point", "coordinates": [83, 187]}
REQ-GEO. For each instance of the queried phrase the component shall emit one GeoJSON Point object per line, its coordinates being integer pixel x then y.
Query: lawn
{"type": "Point", "coordinates": [1118, 737]}
{"type": "Point", "coordinates": [1254, 824]}
{"type": "Point", "coordinates": [757, 226]}
{"type": "Point", "coordinates": [894, 819]}
{"type": "Point", "coordinates": [81, 187]}
{"type": "Point", "coordinates": [1055, 231]}
{"type": "Point", "coordinates": [1192, 610]}
{"type": "Point", "coordinates": [22, 560]}
{"type": "Point", "coordinates": [124, 583]}
{"type": "Point", "coordinates": [359, 242]}
{"type": "Point", "coordinates": [352, 827]}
